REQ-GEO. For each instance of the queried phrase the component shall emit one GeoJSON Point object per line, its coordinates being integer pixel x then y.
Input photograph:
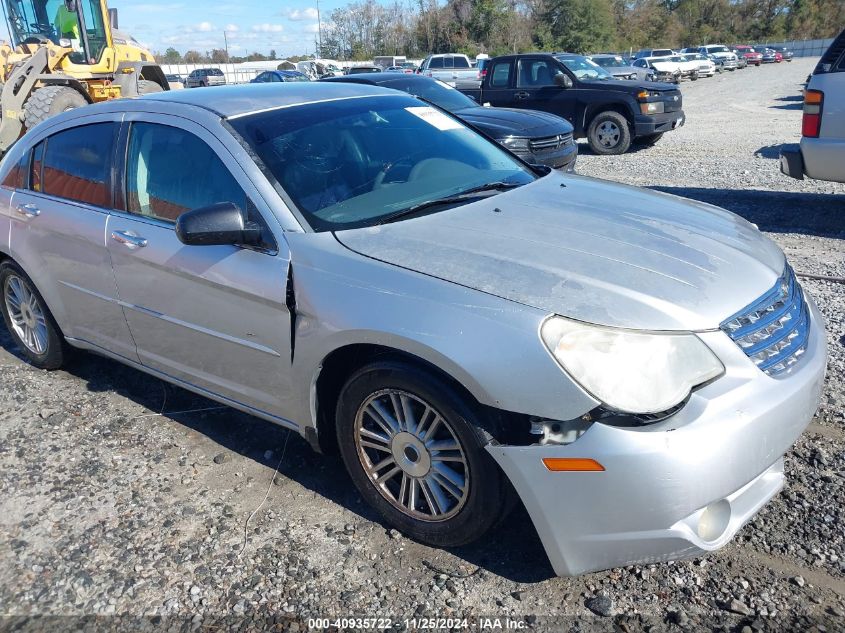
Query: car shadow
{"type": "Point", "coordinates": [788, 106]}
{"type": "Point", "coordinates": [820, 214]}
{"type": "Point", "coordinates": [769, 151]}
{"type": "Point", "coordinates": [513, 550]}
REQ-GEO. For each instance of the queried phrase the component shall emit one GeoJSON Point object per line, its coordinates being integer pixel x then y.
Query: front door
{"type": "Point", "coordinates": [212, 316]}
{"type": "Point", "coordinates": [536, 90]}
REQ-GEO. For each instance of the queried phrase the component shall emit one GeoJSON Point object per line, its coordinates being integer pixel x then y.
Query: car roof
{"type": "Point", "coordinates": [379, 79]}
{"type": "Point", "coordinates": [235, 100]}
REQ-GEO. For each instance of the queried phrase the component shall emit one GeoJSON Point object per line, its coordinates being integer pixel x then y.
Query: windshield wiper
{"type": "Point", "coordinates": [454, 199]}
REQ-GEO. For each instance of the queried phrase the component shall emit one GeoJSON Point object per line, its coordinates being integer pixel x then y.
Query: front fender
{"type": "Point", "coordinates": [489, 345]}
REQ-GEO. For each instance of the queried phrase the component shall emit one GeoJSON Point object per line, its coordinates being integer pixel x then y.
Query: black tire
{"type": "Point", "coordinates": [608, 133]}
{"type": "Point", "coordinates": [487, 499]}
{"type": "Point", "coordinates": [55, 351]}
{"type": "Point", "coordinates": [48, 101]}
{"type": "Point", "coordinates": [147, 87]}
{"type": "Point", "coordinates": [649, 139]}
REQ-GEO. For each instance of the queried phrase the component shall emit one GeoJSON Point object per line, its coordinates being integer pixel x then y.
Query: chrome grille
{"type": "Point", "coordinates": [773, 331]}
{"type": "Point", "coordinates": [549, 142]}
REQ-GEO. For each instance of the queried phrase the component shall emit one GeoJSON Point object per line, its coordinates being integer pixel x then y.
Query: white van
{"type": "Point", "coordinates": [821, 154]}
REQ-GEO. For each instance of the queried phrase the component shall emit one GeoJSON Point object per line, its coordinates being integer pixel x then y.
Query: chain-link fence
{"type": "Point", "coordinates": [803, 48]}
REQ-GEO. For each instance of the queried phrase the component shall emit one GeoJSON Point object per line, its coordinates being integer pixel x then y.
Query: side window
{"type": "Point", "coordinates": [77, 164]}
{"type": "Point", "coordinates": [16, 178]}
{"type": "Point", "coordinates": [436, 62]}
{"type": "Point", "coordinates": [534, 73]}
{"type": "Point", "coordinates": [460, 62]}
{"type": "Point", "coordinates": [501, 75]}
{"type": "Point", "coordinates": [639, 63]}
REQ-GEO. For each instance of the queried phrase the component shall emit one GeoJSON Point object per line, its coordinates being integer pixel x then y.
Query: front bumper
{"type": "Point", "coordinates": [645, 124]}
{"type": "Point", "coordinates": [723, 453]}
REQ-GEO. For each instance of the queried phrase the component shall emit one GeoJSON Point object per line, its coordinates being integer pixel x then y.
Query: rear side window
{"type": "Point", "coordinates": [501, 75]}
{"type": "Point", "coordinates": [77, 164]}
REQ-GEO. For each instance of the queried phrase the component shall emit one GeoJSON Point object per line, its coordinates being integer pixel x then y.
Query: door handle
{"type": "Point", "coordinates": [127, 239]}
{"type": "Point", "coordinates": [29, 210]}
{"type": "Point", "coordinates": [522, 95]}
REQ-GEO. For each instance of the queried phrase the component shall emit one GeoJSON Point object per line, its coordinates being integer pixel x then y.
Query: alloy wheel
{"type": "Point", "coordinates": [608, 134]}
{"type": "Point", "coordinates": [25, 314]}
{"type": "Point", "coordinates": [412, 455]}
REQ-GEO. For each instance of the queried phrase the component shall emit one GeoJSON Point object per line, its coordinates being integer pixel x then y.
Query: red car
{"type": "Point", "coordinates": [752, 56]}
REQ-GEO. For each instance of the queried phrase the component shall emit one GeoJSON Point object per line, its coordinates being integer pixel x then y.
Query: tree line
{"type": "Point", "coordinates": [366, 28]}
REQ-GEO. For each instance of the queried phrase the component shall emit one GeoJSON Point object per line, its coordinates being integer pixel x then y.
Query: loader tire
{"type": "Point", "coordinates": [146, 87]}
{"type": "Point", "coordinates": [48, 101]}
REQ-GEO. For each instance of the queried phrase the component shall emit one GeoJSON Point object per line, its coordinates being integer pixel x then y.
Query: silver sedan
{"type": "Point", "coordinates": [360, 267]}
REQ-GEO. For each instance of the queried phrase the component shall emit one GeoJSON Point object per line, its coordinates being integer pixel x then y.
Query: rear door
{"type": "Point", "coordinates": [498, 86]}
{"type": "Point", "coordinates": [212, 316]}
{"type": "Point", "coordinates": [57, 232]}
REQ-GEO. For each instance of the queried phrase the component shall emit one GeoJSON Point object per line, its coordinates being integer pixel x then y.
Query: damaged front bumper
{"type": "Point", "coordinates": [677, 488]}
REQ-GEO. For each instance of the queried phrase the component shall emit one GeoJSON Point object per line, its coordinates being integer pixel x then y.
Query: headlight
{"type": "Point", "coordinates": [655, 107]}
{"type": "Point", "coordinates": [630, 371]}
{"type": "Point", "coordinates": [516, 144]}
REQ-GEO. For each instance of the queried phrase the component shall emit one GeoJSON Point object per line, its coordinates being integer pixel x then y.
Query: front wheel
{"type": "Point", "coordinates": [48, 101]}
{"type": "Point", "coordinates": [415, 451]}
{"type": "Point", "coordinates": [33, 328]}
{"type": "Point", "coordinates": [608, 133]}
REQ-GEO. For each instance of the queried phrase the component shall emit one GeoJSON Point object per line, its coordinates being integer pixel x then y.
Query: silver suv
{"type": "Point", "coordinates": [358, 266]}
{"type": "Point", "coordinates": [821, 154]}
{"type": "Point", "coordinates": [205, 77]}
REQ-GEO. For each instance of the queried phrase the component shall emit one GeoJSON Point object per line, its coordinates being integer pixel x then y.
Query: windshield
{"type": "Point", "coordinates": [609, 62]}
{"type": "Point", "coordinates": [583, 68]}
{"type": "Point", "coordinates": [440, 94]}
{"type": "Point", "coordinates": [354, 162]}
{"type": "Point", "coordinates": [717, 49]}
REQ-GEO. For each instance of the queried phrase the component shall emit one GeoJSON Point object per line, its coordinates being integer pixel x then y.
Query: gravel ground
{"type": "Point", "coordinates": [123, 496]}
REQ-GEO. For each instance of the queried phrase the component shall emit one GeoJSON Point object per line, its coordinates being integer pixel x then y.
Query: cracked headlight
{"type": "Point", "coordinates": [628, 370]}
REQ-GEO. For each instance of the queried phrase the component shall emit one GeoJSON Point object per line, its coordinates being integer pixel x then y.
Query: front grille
{"type": "Point", "coordinates": [773, 331]}
{"type": "Point", "coordinates": [549, 143]}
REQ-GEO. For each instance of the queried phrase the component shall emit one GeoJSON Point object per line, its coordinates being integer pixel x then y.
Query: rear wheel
{"type": "Point", "coordinates": [608, 133]}
{"type": "Point", "coordinates": [28, 319]}
{"type": "Point", "coordinates": [415, 451]}
{"type": "Point", "coordinates": [146, 87]}
{"type": "Point", "coordinates": [49, 101]}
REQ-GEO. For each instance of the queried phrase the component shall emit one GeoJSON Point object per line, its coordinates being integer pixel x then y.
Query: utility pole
{"type": "Point", "coordinates": [226, 45]}
{"type": "Point", "coordinates": [319, 32]}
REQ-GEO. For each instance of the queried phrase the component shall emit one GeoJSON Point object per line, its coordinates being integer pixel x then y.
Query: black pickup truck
{"type": "Point", "coordinates": [609, 112]}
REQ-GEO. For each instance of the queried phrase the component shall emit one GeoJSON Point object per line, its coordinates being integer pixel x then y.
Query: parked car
{"type": "Point", "coordinates": [662, 68]}
{"type": "Point", "coordinates": [610, 113]}
{"type": "Point", "coordinates": [748, 52]}
{"type": "Point", "coordinates": [706, 67]}
{"type": "Point", "coordinates": [363, 70]}
{"type": "Point", "coordinates": [688, 67]}
{"type": "Point", "coordinates": [279, 76]}
{"type": "Point", "coordinates": [767, 55]}
{"type": "Point", "coordinates": [451, 68]}
{"type": "Point", "coordinates": [784, 52]}
{"type": "Point", "coordinates": [821, 154]}
{"type": "Point", "coordinates": [721, 55]}
{"type": "Point", "coordinates": [653, 52]}
{"type": "Point", "coordinates": [536, 137]}
{"type": "Point", "coordinates": [741, 61]}
{"type": "Point", "coordinates": [175, 82]}
{"type": "Point", "coordinates": [460, 326]}
{"type": "Point", "coordinates": [619, 68]}
{"type": "Point", "coordinates": [205, 77]}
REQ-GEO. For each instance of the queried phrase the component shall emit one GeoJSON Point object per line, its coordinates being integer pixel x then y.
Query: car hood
{"type": "Point", "coordinates": [503, 122]}
{"type": "Point", "coordinates": [591, 250]}
{"type": "Point", "coordinates": [632, 86]}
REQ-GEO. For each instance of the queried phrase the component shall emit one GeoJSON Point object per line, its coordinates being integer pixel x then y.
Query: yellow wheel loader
{"type": "Point", "coordinates": [66, 54]}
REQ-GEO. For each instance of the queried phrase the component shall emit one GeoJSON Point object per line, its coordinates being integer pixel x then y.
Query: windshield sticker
{"type": "Point", "coordinates": [435, 118]}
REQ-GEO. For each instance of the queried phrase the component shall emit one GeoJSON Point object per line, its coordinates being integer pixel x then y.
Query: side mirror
{"type": "Point", "coordinates": [217, 225]}
{"type": "Point", "coordinates": [562, 80]}
{"type": "Point", "coordinates": [113, 19]}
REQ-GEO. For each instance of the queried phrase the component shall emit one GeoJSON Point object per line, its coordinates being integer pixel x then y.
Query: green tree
{"type": "Point", "coordinates": [172, 56]}
{"type": "Point", "coordinates": [580, 26]}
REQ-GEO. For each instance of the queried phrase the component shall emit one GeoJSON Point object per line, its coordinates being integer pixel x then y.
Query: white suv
{"type": "Point", "coordinates": [821, 154]}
